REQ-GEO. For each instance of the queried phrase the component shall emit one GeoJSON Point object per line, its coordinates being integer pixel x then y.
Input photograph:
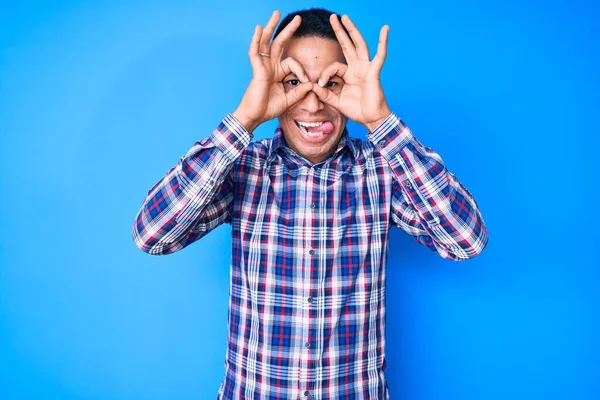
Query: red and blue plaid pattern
{"type": "Point", "coordinates": [309, 249]}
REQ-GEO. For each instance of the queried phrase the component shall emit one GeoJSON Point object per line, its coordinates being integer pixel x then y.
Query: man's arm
{"type": "Point", "coordinates": [428, 202]}
{"type": "Point", "coordinates": [195, 196]}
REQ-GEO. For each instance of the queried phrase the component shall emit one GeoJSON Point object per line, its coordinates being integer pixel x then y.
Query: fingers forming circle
{"type": "Point", "coordinates": [336, 68]}
{"type": "Point", "coordinates": [299, 92]}
{"type": "Point", "coordinates": [326, 96]}
{"type": "Point", "coordinates": [291, 65]}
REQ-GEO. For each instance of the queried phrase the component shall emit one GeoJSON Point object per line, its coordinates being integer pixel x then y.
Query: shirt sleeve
{"type": "Point", "coordinates": [195, 196]}
{"type": "Point", "coordinates": [428, 201]}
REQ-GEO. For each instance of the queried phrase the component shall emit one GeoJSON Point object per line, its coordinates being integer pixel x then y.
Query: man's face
{"type": "Point", "coordinates": [311, 128]}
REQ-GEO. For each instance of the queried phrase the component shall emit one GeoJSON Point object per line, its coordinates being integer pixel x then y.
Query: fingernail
{"type": "Point", "coordinates": [320, 83]}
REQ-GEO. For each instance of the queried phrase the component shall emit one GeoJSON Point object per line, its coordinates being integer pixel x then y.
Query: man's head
{"type": "Point", "coordinates": [315, 46]}
{"type": "Point", "coordinates": [315, 22]}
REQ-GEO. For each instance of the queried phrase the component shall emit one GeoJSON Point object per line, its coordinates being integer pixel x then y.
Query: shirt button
{"type": "Point", "coordinates": [306, 393]}
{"type": "Point", "coordinates": [310, 299]}
{"type": "Point", "coordinates": [313, 206]}
{"type": "Point", "coordinates": [407, 183]}
{"type": "Point", "coordinates": [311, 252]}
{"type": "Point", "coordinates": [307, 345]}
{"type": "Point", "coordinates": [239, 144]}
{"type": "Point", "coordinates": [381, 143]}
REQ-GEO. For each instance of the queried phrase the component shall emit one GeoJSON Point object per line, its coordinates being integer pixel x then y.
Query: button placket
{"type": "Point", "coordinates": [307, 210]}
{"type": "Point", "coordinates": [317, 251]}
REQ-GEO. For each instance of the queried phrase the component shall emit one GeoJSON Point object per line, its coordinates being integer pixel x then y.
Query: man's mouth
{"type": "Point", "coordinates": [315, 129]}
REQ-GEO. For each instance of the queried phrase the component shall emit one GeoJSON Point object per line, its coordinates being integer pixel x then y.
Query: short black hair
{"type": "Point", "coordinates": [315, 22]}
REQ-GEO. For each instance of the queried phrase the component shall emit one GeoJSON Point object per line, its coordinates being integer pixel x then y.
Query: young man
{"type": "Point", "coordinates": [310, 211]}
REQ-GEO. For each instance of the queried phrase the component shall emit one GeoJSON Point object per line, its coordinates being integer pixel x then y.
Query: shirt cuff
{"type": "Point", "coordinates": [390, 136]}
{"type": "Point", "coordinates": [231, 137]}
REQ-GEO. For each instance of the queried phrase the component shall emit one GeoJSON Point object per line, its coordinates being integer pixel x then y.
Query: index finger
{"type": "Point", "coordinates": [291, 66]}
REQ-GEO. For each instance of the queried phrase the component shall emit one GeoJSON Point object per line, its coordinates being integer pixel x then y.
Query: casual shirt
{"type": "Point", "coordinates": [306, 313]}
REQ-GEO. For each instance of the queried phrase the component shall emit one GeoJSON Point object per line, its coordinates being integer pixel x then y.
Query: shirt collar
{"type": "Point", "coordinates": [278, 142]}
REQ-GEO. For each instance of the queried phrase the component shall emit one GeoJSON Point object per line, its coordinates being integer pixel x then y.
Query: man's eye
{"type": "Point", "coordinates": [293, 82]}
{"type": "Point", "coordinates": [334, 85]}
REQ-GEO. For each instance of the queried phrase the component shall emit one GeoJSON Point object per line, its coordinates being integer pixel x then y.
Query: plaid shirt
{"type": "Point", "coordinates": [309, 249]}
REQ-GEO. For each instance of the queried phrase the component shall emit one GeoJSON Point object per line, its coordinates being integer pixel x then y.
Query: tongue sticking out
{"type": "Point", "coordinates": [326, 127]}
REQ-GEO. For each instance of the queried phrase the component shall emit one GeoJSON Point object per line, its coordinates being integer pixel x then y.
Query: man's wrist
{"type": "Point", "coordinates": [372, 125]}
{"type": "Point", "coordinates": [246, 122]}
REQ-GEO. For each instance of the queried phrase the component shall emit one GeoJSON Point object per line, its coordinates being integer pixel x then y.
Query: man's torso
{"type": "Point", "coordinates": [306, 312]}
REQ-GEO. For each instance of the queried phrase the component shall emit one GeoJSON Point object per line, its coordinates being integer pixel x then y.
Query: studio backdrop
{"type": "Point", "coordinates": [99, 99]}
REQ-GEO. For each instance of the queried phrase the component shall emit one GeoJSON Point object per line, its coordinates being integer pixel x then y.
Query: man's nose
{"type": "Point", "coordinates": [311, 103]}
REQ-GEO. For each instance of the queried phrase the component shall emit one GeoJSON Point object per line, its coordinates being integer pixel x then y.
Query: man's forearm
{"type": "Point", "coordinates": [167, 219]}
{"type": "Point", "coordinates": [448, 212]}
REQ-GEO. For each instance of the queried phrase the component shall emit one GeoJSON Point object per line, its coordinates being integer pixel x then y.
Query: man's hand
{"type": "Point", "coordinates": [266, 98]}
{"type": "Point", "coordinates": [361, 98]}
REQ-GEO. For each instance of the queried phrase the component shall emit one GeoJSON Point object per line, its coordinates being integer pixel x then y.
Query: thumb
{"type": "Point", "coordinates": [298, 93]}
{"type": "Point", "coordinates": [326, 96]}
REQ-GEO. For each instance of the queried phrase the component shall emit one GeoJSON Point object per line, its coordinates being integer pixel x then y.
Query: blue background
{"type": "Point", "coordinates": [99, 99]}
